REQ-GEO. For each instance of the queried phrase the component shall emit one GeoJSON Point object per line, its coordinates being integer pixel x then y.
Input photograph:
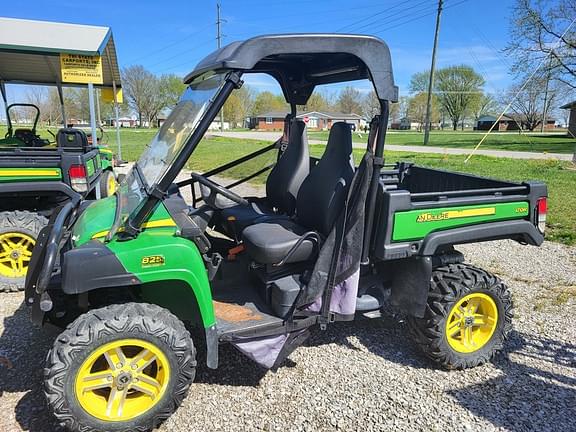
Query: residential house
{"type": "Point", "coordinates": [315, 120]}
{"type": "Point", "coordinates": [572, 121]}
{"type": "Point", "coordinates": [508, 122]}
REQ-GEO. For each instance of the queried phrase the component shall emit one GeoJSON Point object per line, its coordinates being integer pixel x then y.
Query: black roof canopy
{"type": "Point", "coordinates": [300, 62]}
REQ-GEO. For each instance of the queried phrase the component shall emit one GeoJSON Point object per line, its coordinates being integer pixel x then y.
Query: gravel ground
{"type": "Point", "coordinates": [366, 375]}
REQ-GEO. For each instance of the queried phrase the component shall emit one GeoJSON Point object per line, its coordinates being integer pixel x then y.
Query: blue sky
{"type": "Point", "coordinates": [171, 36]}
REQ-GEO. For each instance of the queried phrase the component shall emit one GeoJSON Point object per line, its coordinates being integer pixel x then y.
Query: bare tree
{"type": "Point", "coordinates": [537, 36]}
{"type": "Point", "coordinates": [529, 103]}
{"type": "Point", "coordinates": [141, 89]}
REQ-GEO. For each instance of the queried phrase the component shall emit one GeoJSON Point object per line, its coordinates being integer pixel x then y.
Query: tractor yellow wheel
{"type": "Point", "coordinates": [471, 322]}
{"type": "Point", "coordinates": [467, 318]}
{"type": "Point", "coordinates": [108, 184]}
{"type": "Point", "coordinates": [123, 379]}
{"type": "Point", "coordinates": [15, 254]}
{"type": "Point", "coordinates": [18, 233]}
{"type": "Point", "coordinates": [123, 367]}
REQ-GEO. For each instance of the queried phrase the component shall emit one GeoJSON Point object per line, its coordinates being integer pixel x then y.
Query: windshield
{"type": "Point", "coordinates": [166, 145]}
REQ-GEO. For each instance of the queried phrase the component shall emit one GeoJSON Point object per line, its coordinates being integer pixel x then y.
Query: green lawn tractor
{"type": "Point", "coordinates": [37, 175]}
{"type": "Point", "coordinates": [333, 240]}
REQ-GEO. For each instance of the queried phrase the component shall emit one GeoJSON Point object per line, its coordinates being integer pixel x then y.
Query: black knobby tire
{"type": "Point", "coordinates": [95, 328]}
{"type": "Point", "coordinates": [22, 222]}
{"type": "Point", "coordinates": [449, 284]}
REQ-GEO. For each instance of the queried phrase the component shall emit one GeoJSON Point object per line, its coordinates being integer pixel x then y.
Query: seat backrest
{"type": "Point", "coordinates": [73, 139]}
{"type": "Point", "coordinates": [285, 178]}
{"type": "Point", "coordinates": [323, 192]}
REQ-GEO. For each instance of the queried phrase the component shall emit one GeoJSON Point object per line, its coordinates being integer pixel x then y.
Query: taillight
{"type": "Point", "coordinates": [78, 179]}
{"type": "Point", "coordinates": [542, 210]}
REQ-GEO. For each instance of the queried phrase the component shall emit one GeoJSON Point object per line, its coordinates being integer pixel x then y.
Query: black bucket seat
{"type": "Point", "coordinates": [319, 203]}
{"type": "Point", "coordinates": [282, 185]}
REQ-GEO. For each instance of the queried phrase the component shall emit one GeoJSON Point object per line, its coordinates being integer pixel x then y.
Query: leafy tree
{"type": "Point", "coordinates": [317, 102]}
{"type": "Point", "coordinates": [456, 88]}
{"type": "Point", "coordinates": [238, 106]}
{"type": "Point", "coordinates": [419, 82]}
{"type": "Point", "coordinates": [417, 109]}
{"type": "Point", "coordinates": [349, 101]}
{"type": "Point", "coordinates": [171, 88]}
{"type": "Point", "coordinates": [267, 101]}
{"type": "Point", "coordinates": [482, 105]}
{"type": "Point", "coordinates": [536, 27]}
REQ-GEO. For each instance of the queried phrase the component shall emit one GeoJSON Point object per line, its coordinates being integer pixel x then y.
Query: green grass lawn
{"type": "Point", "coordinates": [559, 176]}
{"type": "Point", "coordinates": [548, 142]}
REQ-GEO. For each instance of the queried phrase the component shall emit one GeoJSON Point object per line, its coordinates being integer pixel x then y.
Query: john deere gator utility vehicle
{"type": "Point", "coordinates": [36, 176]}
{"type": "Point", "coordinates": [331, 241]}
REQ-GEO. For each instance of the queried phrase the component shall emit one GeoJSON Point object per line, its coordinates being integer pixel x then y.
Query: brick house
{"type": "Point", "coordinates": [508, 123]}
{"type": "Point", "coordinates": [315, 120]}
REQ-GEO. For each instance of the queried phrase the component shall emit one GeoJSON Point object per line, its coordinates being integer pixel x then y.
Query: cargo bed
{"type": "Point", "coordinates": [422, 209]}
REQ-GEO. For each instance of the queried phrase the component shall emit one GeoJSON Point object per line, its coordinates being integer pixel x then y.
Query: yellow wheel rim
{"type": "Point", "coordinates": [15, 254]}
{"type": "Point", "coordinates": [471, 322]}
{"type": "Point", "coordinates": [110, 185]}
{"type": "Point", "coordinates": [122, 380]}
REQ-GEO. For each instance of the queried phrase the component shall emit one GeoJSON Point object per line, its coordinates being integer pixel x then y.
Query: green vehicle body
{"type": "Point", "coordinates": [179, 279]}
{"type": "Point", "coordinates": [179, 265]}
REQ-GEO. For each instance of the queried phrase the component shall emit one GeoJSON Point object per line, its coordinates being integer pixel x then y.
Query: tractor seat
{"type": "Point", "coordinates": [282, 185]}
{"type": "Point", "coordinates": [319, 203]}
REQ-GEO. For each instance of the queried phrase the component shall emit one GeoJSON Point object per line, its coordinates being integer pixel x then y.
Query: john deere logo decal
{"type": "Point", "coordinates": [152, 261]}
{"type": "Point", "coordinates": [455, 214]}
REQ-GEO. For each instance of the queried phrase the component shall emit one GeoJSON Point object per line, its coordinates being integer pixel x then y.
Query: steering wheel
{"type": "Point", "coordinates": [216, 189]}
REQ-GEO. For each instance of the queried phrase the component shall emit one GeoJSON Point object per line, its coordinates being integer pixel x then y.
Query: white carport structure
{"type": "Point", "coordinates": [32, 52]}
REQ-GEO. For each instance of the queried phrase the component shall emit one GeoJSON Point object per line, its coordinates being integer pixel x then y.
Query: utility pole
{"type": "Point", "coordinates": [219, 42]}
{"type": "Point", "coordinates": [431, 81]}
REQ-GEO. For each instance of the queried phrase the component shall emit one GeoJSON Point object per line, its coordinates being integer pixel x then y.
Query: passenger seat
{"type": "Point", "coordinates": [319, 203]}
{"type": "Point", "coordinates": [282, 185]}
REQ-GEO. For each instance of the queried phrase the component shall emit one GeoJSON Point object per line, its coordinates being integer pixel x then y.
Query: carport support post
{"type": "Point", "coordinates": [61, 97]}
{"type": "Point", "coordinates": [116, 121]}
{"type": "Point", "coordinates": [93, 126]}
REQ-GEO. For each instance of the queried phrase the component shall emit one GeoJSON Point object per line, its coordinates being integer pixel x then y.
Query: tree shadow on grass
{"type": "Point", "coordinates": [23, 349]}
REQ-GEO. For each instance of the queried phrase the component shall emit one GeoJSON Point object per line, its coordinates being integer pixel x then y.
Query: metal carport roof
{"type": "Point", "coordinates": [30, 50]}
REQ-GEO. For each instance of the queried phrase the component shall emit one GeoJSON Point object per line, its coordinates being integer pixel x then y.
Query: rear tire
{"type": "Point", "coordinates": [18, 233]}
{"type": "Point", "coordinates": [95, 378]}
{"type": "Point", "coordinates": [108, 183]}
{"type": "Point", "coordinates": [468, 317]}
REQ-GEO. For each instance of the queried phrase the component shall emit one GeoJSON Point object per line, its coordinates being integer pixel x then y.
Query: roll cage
{"type": "Point", "coordinates": [299, 62]}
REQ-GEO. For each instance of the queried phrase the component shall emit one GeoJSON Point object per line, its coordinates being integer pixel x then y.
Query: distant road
{"type": "Point", "coordinates": [273, 136]}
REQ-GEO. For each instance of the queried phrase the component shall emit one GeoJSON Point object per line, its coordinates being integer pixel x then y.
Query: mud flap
{"type": "Point", "coordinates": [410, 285]}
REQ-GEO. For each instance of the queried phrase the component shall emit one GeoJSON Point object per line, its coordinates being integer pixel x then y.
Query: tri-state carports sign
{"type": "Point", "coordinates": [81, 69]}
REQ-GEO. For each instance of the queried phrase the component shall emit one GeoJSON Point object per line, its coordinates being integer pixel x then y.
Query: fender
{"type": "Point", "coordinates": [148, 260]}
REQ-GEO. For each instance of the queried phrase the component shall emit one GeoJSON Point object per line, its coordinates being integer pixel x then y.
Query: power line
{"type": "Point", "coordinates": [374, 15]}
{"type": "Point", "coordinates": [170, 45]}
{"type": "Point", "coordinates": [404, 13]}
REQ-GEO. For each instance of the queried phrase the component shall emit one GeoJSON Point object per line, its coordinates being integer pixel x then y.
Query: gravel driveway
{"type": "Point", "coordinates": [363, 376]}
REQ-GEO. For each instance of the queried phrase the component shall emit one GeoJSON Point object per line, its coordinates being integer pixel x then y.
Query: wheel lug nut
{"type": "Point", "coordinates": [119, 365]}
{"type": "Point", "coordinates": [134, 366]}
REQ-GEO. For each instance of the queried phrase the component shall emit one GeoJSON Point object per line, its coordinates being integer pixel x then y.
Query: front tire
{"type": "Point", "coordinates": [468, 317]}
{"type": "Point", "coordinates": [18, 233]}
{"type": "Point", "coordinates": [119, 368]}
